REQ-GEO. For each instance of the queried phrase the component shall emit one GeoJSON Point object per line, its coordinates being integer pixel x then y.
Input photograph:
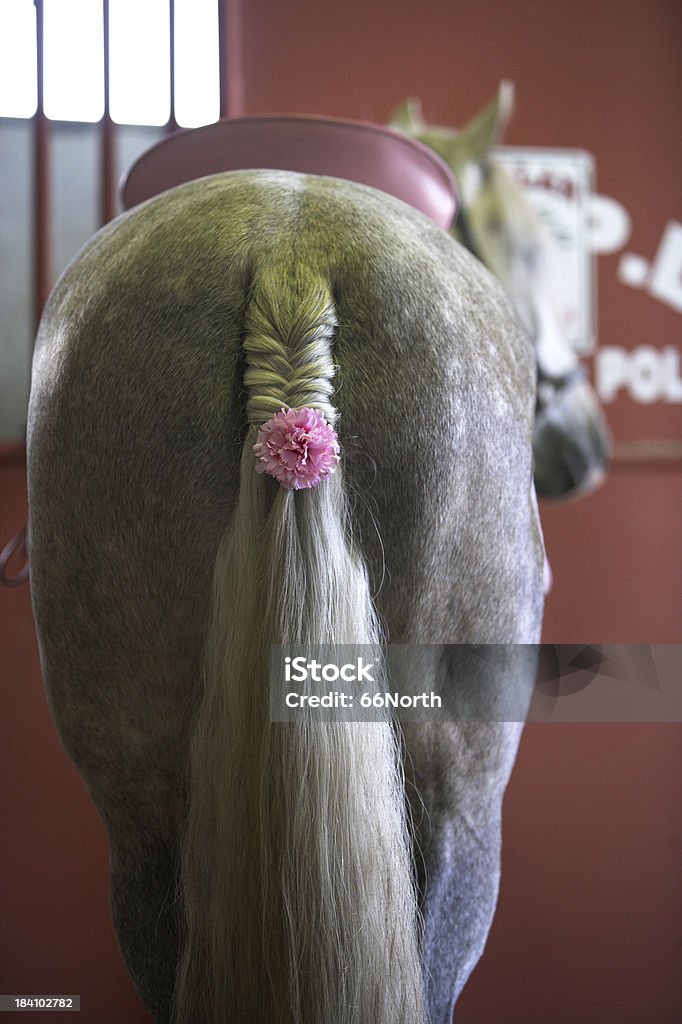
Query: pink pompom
{"type": "Point", "coordinates": [298, 447]}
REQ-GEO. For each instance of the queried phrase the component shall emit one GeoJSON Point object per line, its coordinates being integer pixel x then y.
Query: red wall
{"type": "Point", "coordinates": [588, 923]}
{"type": "Point", "coordinates": [55, 928]}
{"type": "Point", "coordinates": [605, 77]}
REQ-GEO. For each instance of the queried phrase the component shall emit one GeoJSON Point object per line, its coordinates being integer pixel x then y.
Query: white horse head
{"type": "Point", "coordinates": [500, 227]}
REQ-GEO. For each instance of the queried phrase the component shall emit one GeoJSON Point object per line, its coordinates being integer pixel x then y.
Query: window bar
{"type": "Point", "coordinates": [107, 135]}
{"type": "Point", "coordinates": [230, 57]}
{"type": "Point", "coordinates": [172, 124]}
{"type": "Point", "coordinates": [42, 271]}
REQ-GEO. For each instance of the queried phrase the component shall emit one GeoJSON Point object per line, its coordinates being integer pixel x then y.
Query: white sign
{"type": "Point", "coordinates": [663, 278]}
{"type": "Point", "coordinates": [646, 373]}
{"type": "Point", "coordinates": [558, 185]}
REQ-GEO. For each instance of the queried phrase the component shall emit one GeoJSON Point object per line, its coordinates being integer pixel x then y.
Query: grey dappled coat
{"type": "Point", "coordinates": [137, 424]}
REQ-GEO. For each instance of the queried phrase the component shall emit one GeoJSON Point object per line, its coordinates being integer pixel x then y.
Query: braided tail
{"type": "Point", "coordinates": [296, 870]}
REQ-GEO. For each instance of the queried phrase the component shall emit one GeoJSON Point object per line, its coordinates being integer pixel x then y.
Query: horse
{"type": "Point", "coordinates": [497, 223]}
{"type": "Point", "coordinates": [300, 872]}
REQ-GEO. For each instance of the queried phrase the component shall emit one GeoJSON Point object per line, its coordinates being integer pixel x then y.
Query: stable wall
{"type": "Point", "coordinates": [604, 77]}
{"type": "Point", "coordinates": [589, 912]}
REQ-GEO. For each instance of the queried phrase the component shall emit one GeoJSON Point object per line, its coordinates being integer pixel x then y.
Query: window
{"type": "Point", "coordinates": [139, 47]}
{"type": "Point", "coordinates": [18, 88]}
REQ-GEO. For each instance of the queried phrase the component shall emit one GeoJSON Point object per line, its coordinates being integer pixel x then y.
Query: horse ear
{"type": "Point", "coordinates": [486, 130]}
{"type": "Point", "coordinates": [408, 117]}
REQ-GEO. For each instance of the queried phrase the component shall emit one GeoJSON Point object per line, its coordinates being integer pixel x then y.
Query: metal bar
{"type": "Point", "coordinates": [661, 450]}
{"type": "Point", "coordinates": [172, 124]}
{"type": "Point", "coordinates": [107, 137]}
{"type": "Point", "coordinates": [15, 550]}
{"type": "Point", "coordinates": [42, 269]}
{"type": "Point", "coordinates": [222, 60]}
{"type": "Point", "coordinates": [231, 63]}
{"type": "Point", "coordinates": [12, 451]}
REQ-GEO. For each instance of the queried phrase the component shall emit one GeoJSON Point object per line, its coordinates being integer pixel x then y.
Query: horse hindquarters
{"type": "Point", "coordinates": [134, 480]}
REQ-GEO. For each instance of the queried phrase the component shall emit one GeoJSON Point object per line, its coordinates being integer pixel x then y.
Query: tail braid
{"type": "Point", "coordinates": [289, 354]}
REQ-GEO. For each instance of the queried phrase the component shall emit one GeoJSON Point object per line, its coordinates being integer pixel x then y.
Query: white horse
{"type": "Point", "coordinates": [497, 224]}
{"type": "Point", "coordinates": [259, 871]}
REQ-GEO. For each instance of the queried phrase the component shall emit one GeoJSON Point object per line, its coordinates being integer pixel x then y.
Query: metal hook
{"type": "Point", "coordinates": [16, 544]}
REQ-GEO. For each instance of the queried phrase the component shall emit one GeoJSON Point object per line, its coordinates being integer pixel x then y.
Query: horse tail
{"type": "Point", "coordinates": [296, 871]}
